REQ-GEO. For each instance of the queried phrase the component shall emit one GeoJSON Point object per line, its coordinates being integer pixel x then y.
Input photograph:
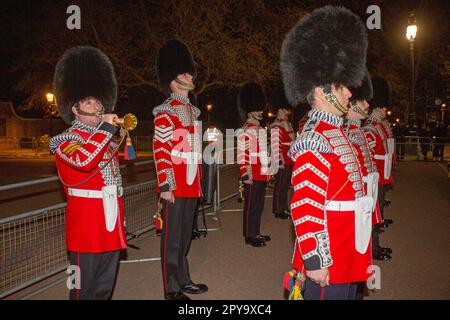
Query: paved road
{"type": "Point", "coordinates": [419, 237]}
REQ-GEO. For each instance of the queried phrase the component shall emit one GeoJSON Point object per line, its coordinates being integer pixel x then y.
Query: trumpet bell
{"type": "Point", "coordinates": [128, 122]}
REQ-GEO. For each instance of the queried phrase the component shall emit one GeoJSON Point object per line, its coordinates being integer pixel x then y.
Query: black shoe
{"type": "Point", "coordinates": [263, 238]}
{"type": "Point", "coordinates": [386, 250]}
{"type": "Point", "coordinates": [176, 296]}
{"type": "Point", "coordinates": [387, 222]}
{"type": "Point", "coordinates": [255, 242]}
{"type": "Point", "coordinates": [283, 215]}
{"type": "Point", "coordinates": [194, 288]}
{"type": "Point", "coordinates": [379, 255]}
{"type": "Point", "coordinates": [197, 234]}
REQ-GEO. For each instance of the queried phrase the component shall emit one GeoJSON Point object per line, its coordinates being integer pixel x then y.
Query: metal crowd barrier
{"type": "Point", "coordinates": [33, 247]}
{"type": "Point", "coordinates": [414, 148]}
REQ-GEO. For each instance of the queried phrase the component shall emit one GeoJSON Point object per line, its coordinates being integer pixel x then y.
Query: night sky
{"type": "Point", "coordinates": [24, 21]}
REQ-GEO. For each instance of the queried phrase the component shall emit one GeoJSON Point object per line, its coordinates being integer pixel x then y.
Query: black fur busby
{"type": "Point", "coordinates": [277, 100]}
{"type": "Point", "coordinates": [381, 93]}
{"type": "Point", "coordinates": [251, 98]}
{"type": "Point", "coordinates": [84, 72]}
{"type": "Point", "coordinates": [365, 91]}
{"type": "Point", "coordinates": [173, 58]}
{"type": "Point", "coordinates": [328, 46]}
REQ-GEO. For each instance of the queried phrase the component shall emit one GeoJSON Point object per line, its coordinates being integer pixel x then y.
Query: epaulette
{"type": "Point", "coordinates": [197, 111]}
{"type": "Point", "coordinates": [65, 136]}
{"type": "Point", "coordinates": [310, 141]}
{"type": "Point", "coordinates": [370, 127]}
{"type": "Point", "coordinates": [164, 108]}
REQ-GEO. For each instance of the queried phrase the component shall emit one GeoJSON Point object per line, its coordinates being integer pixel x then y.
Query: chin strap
{"type": "Point", "coordinates": [357, 109]}
{"type": "Point", "coordinates": [183, 85]}
{"type": "Point", "coordinates": [332, 99]}
{"type": "Point", "coordinates": [89, 114]}
{"type": "Point", "coordinates": [255, 117]}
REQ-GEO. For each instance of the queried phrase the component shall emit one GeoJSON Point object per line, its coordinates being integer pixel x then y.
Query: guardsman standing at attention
{"type": "Point", "coordinates": [379, 144]}
{"type": "Point", "coordinates": [321, 57]}
{"type": "Point", "coordinates": [282, 136]}
{"type": "Point", "coordinates": [360, 138]}
{"type": "Point", "coordinates": [177, 155]}
{"type": "Point", "coordinates": [252, 155]}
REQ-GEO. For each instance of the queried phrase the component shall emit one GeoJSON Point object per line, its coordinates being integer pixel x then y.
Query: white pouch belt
{"type": "Point", "coordinates": [340, 206]}
{"type": "Point", "coordinates": [363, 223]}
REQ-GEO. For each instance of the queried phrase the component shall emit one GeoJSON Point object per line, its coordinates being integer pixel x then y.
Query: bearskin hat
{"type": "Point", "coordinates": [381, 93]}
{"type": "Point", "coordinates": [328, 46]}
{"type": "Point", "coordinates": [84, 72]}
{"type": "Point", "coordinates": [173, 58]}
{"type": "Point", "coordinates": [251, 98]}
{"type": "Point", "coordinates": [277, 100]}
{"type": "Point", "coordinates": [365, 91]}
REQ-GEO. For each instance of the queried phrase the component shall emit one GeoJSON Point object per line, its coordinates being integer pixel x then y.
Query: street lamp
{"type": "Point", "coordinates": [50, 97]}
{"type": "Point", "coordinates": [209, 108]}
{"type": "Point", "coordinates": [51, 108]}
{"type": "Point", "coordinates": [411, 32]}
{"type": "Point", "coordinates": [443, 112]}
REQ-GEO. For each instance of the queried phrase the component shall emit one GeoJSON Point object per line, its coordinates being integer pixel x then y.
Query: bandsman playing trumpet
{"type": "Point", "coordinates": [88, 166]}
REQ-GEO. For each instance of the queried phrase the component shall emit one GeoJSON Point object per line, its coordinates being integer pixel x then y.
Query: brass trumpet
{"type": "Point", "coordinates": [128, 122]}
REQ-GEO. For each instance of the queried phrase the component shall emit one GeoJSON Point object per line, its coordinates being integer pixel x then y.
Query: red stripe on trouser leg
{"type": "Point", "coordinates": [79, 269]}
{"type": "Point", "coordinates": [166, 231]}
{"type": "Point", "coordinates": [322, 293]}
{"type": "Point", "coordinates": [248, 209]}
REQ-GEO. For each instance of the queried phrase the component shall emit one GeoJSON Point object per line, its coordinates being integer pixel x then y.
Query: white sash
{"type": "Point", "coordinates": [363, 223]}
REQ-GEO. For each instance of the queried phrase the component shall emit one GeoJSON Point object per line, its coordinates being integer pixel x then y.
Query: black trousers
{"type": "Point", "coordinates": [346, 291]}
{"type": "Point", "coordinates": [97, 275]}
{"type": "Point", "coordinates": [381, 196]}
{"type": "Point", "coordinates": [281, 189]}
{"type": "Point", "coordinates": [178, 220]}
{"type": "Point", "coordinates": [376, 246]}
{"type": "Point", "coordinates": [253, 207]}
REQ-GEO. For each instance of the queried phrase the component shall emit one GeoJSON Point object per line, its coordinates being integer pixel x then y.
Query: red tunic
{"type": "Point", "coordinates": [282, 135]}
{"type": "Point", "coordinates": [252, 152]}
{"type": "Point", "coordinates": [177, 147]}
{"type": "Point", "coordinates": [326, 169]}
{"type": "Point", "coordinates": [378, 142]}
{"type": "Point", "coordinates": [79, 152]}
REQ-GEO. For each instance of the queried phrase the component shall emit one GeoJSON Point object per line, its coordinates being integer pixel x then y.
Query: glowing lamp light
{"type": "Point", "coordinates": [50, 97]}
{"type": "Point", "coordinates": [411, 32]}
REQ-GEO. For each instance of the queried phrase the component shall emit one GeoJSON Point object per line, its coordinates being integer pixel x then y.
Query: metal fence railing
{"type": "Point", "coordinates": [33, 246]}
{"type": "Point", "coordinates": [422, 148]}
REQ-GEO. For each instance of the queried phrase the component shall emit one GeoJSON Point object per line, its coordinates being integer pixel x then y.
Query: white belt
{"type": "Point", "coordinates": [192, 156]}
{"type": "Point", "coordinates": [341, 205]}
{"type": "Point", "coordinates": [381, 157]}
{"type": "Point", "coordinates": [94, 194]}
